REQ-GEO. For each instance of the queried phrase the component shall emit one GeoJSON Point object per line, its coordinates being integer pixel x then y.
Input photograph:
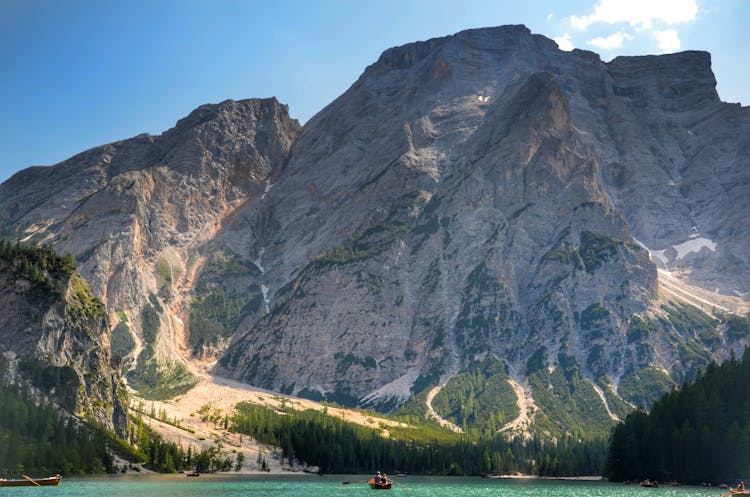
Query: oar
{"type": "Point", "coordinates": [32, 481]}
{"type": "Point", "coordinates": [348, 482]}
{"type": "Point", "coordinates": [401, 484]}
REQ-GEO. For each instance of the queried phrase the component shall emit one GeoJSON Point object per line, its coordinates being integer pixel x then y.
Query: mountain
{"type": "Point", "coordinates": [489, 193]}
{"type": "Point", "coordinates": [479, 216]}
{"type": "Point", "coordinates": [140, 217]}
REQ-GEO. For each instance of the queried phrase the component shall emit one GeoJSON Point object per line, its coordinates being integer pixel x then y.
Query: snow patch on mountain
{"type": "Point", "coordinates": [398, 388]}
{"type": "Point", "coordinates": [694, 244]}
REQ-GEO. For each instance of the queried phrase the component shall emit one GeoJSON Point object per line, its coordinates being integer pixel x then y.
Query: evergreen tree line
{"type": "Point", "coordinates": [37, 263]}
{"type": "Point", "coordinates": [335, 446]}
{"type": "Point", "coordinates": [36, 438]}
{"type": "Point", "coordinates": [700, 433]}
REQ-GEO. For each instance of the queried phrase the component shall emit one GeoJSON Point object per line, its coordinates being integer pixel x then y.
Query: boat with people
{"type": "Point", "coordinates": [740, 490]}
{"type": "Point", "coordinates": [31, 482]}
{"type": "Point", "coordinates": [380, 482]}
{"type": "Point", "coordinates": [384, 484]}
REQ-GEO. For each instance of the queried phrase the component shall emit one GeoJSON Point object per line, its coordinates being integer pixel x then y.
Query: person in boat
{"type": "Point", "coordinates": [741, 487]}
{"type": "Point", "coordinates": [378, 478]}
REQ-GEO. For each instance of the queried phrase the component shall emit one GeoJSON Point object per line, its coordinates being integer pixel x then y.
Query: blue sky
{"type": "Point", "coordinates": [75, 74]}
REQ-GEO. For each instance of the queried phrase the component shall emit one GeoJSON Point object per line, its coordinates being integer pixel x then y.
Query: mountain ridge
{"type": "Point", "coordinates": [479, 194]}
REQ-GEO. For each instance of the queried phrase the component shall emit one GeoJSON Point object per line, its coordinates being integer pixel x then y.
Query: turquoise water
{"type": "Point", "coordinates": [331, 486]}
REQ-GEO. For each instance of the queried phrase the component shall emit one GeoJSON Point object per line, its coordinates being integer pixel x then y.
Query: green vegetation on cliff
{"type": "Point", "coordinates": [225, 294]}
{"type": "Point", "coordinates": [568, 403]}
{"type": "Point", "coordinates": [157, 379]}
{"type": "Point", "coordinates": [122, 342]}
{"type": "Point", "coordinates": [83, 308]}
{"type": "Point", "coordinates": [479, 398]}
{"type": "Point", "coordinates": [643, 387]}
{"type": "Point", "coordinates": [39, 264]}
{"type": "Point", "coordinates": [596, 249]}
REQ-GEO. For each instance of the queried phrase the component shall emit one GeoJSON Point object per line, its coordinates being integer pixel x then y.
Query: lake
{"type": "Point", "coordinates": [331, 486]}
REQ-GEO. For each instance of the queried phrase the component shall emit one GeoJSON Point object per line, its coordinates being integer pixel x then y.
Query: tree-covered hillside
{"type": "Point", "coordinates": [335, 446]}
{"type": "Point", "coordinates": [35, 438]}
{"type": "Point", "coordinates": [699, 433]}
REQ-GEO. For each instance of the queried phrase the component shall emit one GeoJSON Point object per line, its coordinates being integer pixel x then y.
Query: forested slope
{"type": "Point", "coordinates": [699, 433]}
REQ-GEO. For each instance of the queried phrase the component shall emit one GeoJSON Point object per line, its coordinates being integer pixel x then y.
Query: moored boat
{"type": "Point", "coordinates": [385, 485]}
{"type": "Point", "coordinates": [31, 482]}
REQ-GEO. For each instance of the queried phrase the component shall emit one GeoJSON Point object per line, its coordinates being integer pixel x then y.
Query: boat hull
{"type": "Point", "coordinates": [40, 482]}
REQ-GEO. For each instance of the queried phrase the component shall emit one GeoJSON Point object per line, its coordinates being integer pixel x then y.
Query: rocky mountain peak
{"type": "Point", "coordinates": [471, 42]}
{"type": "Point", "coordinates": [483, 194]}
{"type": "Point", "coordinates": [674, 82]}
{"type": "Point", "coordinates": [265, 112]}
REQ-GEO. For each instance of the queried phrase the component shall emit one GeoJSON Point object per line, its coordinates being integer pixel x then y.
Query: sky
{"type": "Point", "coordinates": [76, 74]}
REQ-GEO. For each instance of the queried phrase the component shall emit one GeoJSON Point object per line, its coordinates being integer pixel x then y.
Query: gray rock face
{"type": "Point", "coordinates": [475, 194]}
{"type": "Point", "coordinates": [140, 215]}
{"type": "Point", "coordinates": [480, 193]}
{"type": "Point", "coordinates": [681, 176]}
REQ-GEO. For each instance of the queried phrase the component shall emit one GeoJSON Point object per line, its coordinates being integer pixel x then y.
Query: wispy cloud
{"type": "Point", "coordinates": [565, 42]}
{"type": "Point", "coordinates": [614, 40]}
{"type": "Point", "coordinates": [639, 13]}
{"type": "Point", "coordinates": [669, 40]}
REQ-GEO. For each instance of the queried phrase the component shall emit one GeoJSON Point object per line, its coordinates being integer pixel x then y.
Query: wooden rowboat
{"type": "Point", "coordinates": [29, 482]}
{"type": "Point", "coordinates": [386, 485]}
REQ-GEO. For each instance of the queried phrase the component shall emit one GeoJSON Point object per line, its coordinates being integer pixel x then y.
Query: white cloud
{"type": "Point", "coordinates": [612, 41]}
{"type": "Point", "coordinates": [639, 13]}
{"type": "Point", "coordinates": [668, 39]}
{"type": "Point", "coordinates": [564, 42]}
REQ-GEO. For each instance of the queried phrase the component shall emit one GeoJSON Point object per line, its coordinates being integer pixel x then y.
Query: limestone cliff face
{"type": "Point", "coordinates": [140, 215]}
{"type": "Point", "coordinates": [487, 193]}
{"type": "Point", "coordinates": [55, 336]}
{"type": "Point", "coordinates": [480, 194]}
{"type": "Point", "coordinates": [681, 175]}
{"type": "Point", "coordinates": [456, 181]}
